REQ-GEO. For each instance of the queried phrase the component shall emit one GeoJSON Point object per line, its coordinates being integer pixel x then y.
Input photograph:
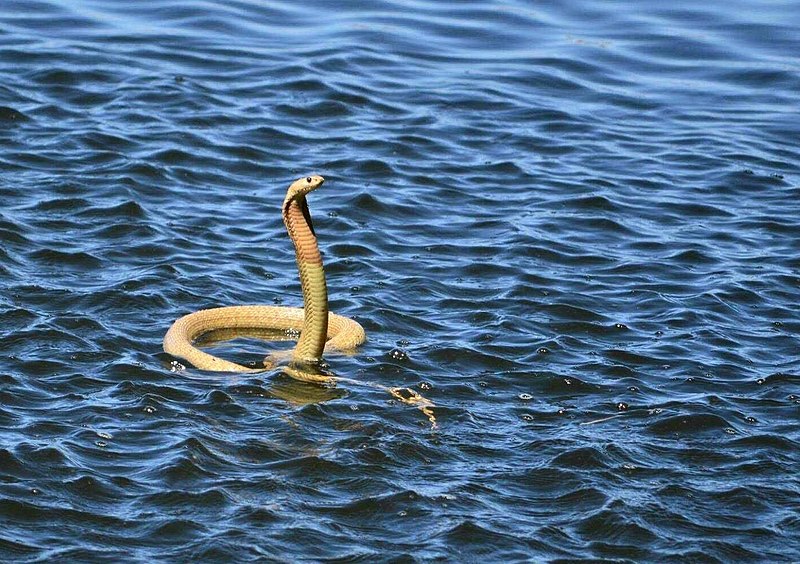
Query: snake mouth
{"type": "Point", "coordinates": [310, 184]}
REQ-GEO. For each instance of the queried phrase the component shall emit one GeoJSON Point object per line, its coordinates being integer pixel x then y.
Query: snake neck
{"type": "Point", "coordinates": [312, 281]}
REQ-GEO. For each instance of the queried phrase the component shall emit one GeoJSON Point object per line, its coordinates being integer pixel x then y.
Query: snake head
{"type": "Point", "coordinates": [303, 186]}
{"type": "Point", "coordinates": [296, 195]}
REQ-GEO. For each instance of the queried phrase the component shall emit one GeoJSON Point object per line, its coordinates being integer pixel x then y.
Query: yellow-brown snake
{"type": "Point", "coordinates": [319, 330]}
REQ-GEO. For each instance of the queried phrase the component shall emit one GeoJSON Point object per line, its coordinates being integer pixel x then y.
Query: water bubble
{"type": "Point", "coordinates": [525, 397]}
{"type": "Point", "coordinates": [527, 417]}
{"type": "Point", "coordinates": [35, 491]}
{"type": "Point", "coordinates": [101, 444]}
{"type": "Point", "coordinates": [751, 419]}
{"type": "Point", "coordinates": [622, 406]}
{"type": "Point", "coordinates": [277, 300]}
{"type": "Point", "coordinates": [398, 354]}
{"type": "Point", "coordinates": [292, 333]}
{"type": "Point", "coordinates": [730, 430]}
{"type": "Point", "coordinates": [402, 513]}
{"type": "Point", "coordinates": [425, 386]}
{"type": "Point", "coordinates": [149, 409]}
{"type": "Point", "coordinates": [568, 381]}
{"type": "Point", "coordinates": [353, 407]}
{"type": "Point", "coordinates": [542, 350]}
{"type": "Point", "coordinates": [403, 343]}
{"type": "Point", "coordinates": [760, 381]}
{"type": "Point", "coordinates": [176, 366]}
{"type": "Point", "coordinates": [483, 384]}
{"type": "Point", "coordinates": [103, 435]}
{"type": "Point", "coordinates": [659, 333]}
{"type": "Point", "coordinates": [355, 289]}
{"type": "Point", "coordinates": [333, 214]}
{"type": "Point", "coordinates": [633, 389]}
{"type": "Point", "coordinates": [620, 326]}
{"type": "Point", "coordinates": [561, 411]}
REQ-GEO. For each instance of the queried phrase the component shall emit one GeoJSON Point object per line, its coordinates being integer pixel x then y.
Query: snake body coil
{"type": "Point", "coordinates": [319, 329]}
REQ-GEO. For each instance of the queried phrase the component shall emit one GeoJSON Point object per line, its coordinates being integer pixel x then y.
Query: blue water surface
{"type": "Point", "coordinates": [573, 226]}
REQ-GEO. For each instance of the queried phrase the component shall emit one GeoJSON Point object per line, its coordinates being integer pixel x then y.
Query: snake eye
{"type": "Point", "coordinates": [308, 179]}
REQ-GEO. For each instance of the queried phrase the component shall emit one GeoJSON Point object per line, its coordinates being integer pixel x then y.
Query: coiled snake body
{"type": "Point", "coordinates": [319, 329]}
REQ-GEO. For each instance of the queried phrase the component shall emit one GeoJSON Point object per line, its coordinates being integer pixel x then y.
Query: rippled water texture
{"type": "Point", "coordinates": [574, 226]}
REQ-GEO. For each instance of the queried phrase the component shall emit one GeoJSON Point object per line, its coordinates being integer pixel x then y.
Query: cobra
{"type": "Point", "coordinates": [320, 330]}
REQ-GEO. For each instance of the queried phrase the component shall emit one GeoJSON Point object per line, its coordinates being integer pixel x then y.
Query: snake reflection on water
{"type": "Point", "coordinates": [320, 330]}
